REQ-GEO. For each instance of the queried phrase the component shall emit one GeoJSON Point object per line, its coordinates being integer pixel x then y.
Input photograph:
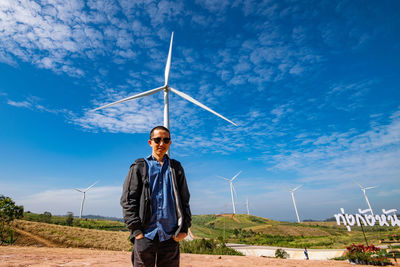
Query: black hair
{"type": "Point", "coordinates": [159, 128]}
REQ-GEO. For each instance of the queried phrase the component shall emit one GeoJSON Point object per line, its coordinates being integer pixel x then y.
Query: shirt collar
{"type": "Point", "coordinates": [150, 157]}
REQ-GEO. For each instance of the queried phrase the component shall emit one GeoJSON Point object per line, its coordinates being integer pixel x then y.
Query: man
{"type": "Point", "coordinates": [155, 204]}
{"type": "Point", "coordinates": [306, 253]}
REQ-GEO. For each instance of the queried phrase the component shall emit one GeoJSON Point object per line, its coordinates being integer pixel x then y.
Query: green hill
{"type": "Point", "coordinates": [248, 229]}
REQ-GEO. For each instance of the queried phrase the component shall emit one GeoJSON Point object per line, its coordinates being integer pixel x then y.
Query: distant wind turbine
{"type": "Point", "coordinates": [294, 201]}
{"type": "Point", "coordinates": [364, 190]}
{"type": "Point", "coordinates": [247, 206]}
{"type": "Point", "coordinates": [232, 189]}
{"type": "Point", "coordinates": [84, 195]}
{"type": "Point", "coordinates": [166, 88]}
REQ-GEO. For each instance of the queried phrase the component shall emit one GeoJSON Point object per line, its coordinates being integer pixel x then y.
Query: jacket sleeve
{"type": "Point", "coordinates": [185, 197]}
{"type": "Point", "coordinates": [130, 199]}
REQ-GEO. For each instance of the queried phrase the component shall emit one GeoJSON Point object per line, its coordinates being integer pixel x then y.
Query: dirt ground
{"type": "Point", "coordinates": [45, 256]}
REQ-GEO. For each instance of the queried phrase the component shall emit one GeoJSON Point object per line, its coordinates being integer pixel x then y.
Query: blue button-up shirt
{"type": "Point", "coordinates": [164, 220]}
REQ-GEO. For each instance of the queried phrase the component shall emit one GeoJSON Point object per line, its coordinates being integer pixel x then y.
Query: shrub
{"type": "Point", "coordinates": [281, 253]}
{"type": "Point", "coordinates": [45, 217]}
{"type": "Point", "coordinates": [70, 218]}
{"type": "Point", "coordinates": [341, 258]}
{"type": "Point", "coordinates": [203, 246]}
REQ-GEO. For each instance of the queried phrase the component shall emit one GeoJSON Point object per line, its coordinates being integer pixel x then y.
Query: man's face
{"type": "Point", "coordinates": [161, 148]}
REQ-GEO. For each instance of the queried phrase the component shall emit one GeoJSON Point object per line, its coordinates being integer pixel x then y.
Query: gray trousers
{"type": "Point", "coordinates": [148, 253]}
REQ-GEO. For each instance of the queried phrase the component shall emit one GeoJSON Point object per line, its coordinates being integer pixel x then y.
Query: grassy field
{"type": "Point", "coordinates": [67, 236]}
{"type": "Point", "coordinates": [46, 234]}
{"type": "Point", "coordinates": [83, 223]}
{"type": "Point", "coordinates": [241, 228]}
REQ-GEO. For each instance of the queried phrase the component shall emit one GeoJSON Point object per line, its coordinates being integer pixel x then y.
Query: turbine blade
{"type": "Point", "coordinates": [91, 186]}
{"type": "Point", "coordinates": [78, 190]}
{"type": "Point", "coordinates": [150, 92]}
{"type": "Point", "coordinates": [297, 188]}
{"type": "Point", "coordinates": [370, 187]}
{"type": "Point", "coordinates": [358, 184]}
{"type": "Point", "coordinates": [194, 101]}
{"type": "Point", "coordinates": [168, 65]}
{"type": "Point", "coordinates": [234, 177]}
{"type": "Point", "coordinates": [223, 178]}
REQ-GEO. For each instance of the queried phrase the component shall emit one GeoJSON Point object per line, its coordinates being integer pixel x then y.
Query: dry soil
{"type": "Point", "coordinates": [47, 256]}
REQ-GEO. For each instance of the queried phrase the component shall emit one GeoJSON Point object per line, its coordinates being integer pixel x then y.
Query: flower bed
{"type": "Point", "coordinates": [367, 255]}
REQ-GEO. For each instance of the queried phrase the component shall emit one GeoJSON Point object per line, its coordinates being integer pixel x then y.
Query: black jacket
{"type": "Point", "coordinates": [136, 198]}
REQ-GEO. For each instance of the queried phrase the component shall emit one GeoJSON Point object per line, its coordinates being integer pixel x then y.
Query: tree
{"type": "Point", "coordinates": [70, 218]}
{"type": "Point", "coordinates": [8, 212]}
{"type": "Point", "coordinates": [45, 217]}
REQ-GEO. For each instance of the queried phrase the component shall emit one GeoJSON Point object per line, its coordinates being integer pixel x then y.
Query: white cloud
{"type": "Point", "coordinates": [48, 33]}
{"type": "Point", "coordinates": [100, 200]}
{"type": "Point", "coordinates": [27, 29]}
{"type": "Point", "coordinates": [281, 111]}
{"type": "Point", "coordinates": [33, 103]}
{"type": "Point", "coordinates": [214, 6]}
{"type": "Point", "coordinates": [23, 104]}
{"type": "Point", "coordinates": [135, 116]}
{"type": "Point", "coordinates": [364, 156]}
{"type": "Point", "coordinates": [348, 96]}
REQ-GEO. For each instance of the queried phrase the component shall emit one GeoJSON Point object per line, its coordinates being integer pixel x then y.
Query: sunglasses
{"type": "Point", "coordinates": [157, 140]}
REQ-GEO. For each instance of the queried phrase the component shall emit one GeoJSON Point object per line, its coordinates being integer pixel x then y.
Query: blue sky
{"type": "Point", "coordinates": [313, 86]}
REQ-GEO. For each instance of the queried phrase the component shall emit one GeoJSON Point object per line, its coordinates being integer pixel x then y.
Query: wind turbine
{"type": "Point", "coordinates": [166, 88]}
{"type": "Point", "coordinates": [294, 201]}
{"type": "Point", "coordinates": [247, 206]}
{"type": "Point", "coordinates": [364, 190]}
{"type": "Point", "coordinates": [84, 195]}
{"type": "Point", "coordinates": [232, 188]}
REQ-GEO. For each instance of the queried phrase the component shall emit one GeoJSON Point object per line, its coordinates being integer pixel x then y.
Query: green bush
{"type": "Point", "coordinates": [70, 218]}
{"type": "Point", "coordinates": [281, 254]}
{"type": "Point", "coordinates": [341, 258]}
{"type": "Point", "coordinates": [203, 246]}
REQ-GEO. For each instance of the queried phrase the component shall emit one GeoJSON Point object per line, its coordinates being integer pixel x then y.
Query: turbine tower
{"type": "Point", "coordinates": [364, 190]}
{"type": "Point", "coordinates": [294, 201]}
{"type": "Point", "coordinates": [166, 88]}
{"type": "Point", "coordinates": [84, 195]}
{"type": "Point", "coordinates": [247, 206]}
{"type": "Point", "coordinates": [232, 189]}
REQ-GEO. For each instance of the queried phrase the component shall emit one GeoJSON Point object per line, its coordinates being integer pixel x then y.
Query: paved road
{"type": "Point", "coordinates": [294, 253]}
